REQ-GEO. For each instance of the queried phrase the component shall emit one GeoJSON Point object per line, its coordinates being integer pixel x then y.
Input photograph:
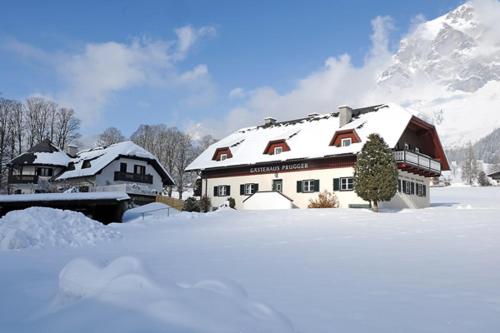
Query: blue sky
{"type": "Point", "coordinates": [182, 78]}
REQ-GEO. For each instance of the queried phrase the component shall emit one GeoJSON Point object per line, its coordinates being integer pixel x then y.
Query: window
{"type": "Point", "coordinates": [222, 191]}
{"type": "Point", "coordinates": [399, 185]}
{"type": "Point", "coordinates": [406, 187]}
{"type": "Point", "coordinates": [139, 169]}
{"type": "Point", "coordinates": [346, 184]}
{"type": "Point", "coordinates": [345, 142]}
{"type": "Point", "coordinates": [44, 172]}
{"type": "Point", "coordinates": [407, 146]}
{"type": "Point", "coordinates": [421, 190]}
{"type": "Point", "coordinates": [278, 185]}
{"type": "Point", "coordinates": [308, 186]}
{"type": "Point", "coordinates": [278, 150]}
{"type": "Point", "coordinates": [248, 189]}
{"type": "Point", "coordinates": [86, 164]}
{"type": "Point", "coordinates": [223, 157]}
{"type": "Point", "coordinates": [417, 149]}
{"type": "Point", "coordinates": [123, 167]}
{"type": "Point", "coordinates": [412, 186]}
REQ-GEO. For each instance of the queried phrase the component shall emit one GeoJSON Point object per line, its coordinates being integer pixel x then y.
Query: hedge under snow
{"type": "Point", "coordinates": [40, 227]}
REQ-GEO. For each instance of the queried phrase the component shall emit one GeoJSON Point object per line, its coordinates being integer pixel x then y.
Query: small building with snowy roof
{"type": "Point", "coordinates": [302, 157]}
{"type": "Point", "coordinates": [122, 166]}
{"type": "Point", "coordinates": [31, 171]}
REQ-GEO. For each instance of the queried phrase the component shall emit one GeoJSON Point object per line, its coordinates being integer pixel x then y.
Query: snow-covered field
{"type": "Point", "coordinates": [430, 270]}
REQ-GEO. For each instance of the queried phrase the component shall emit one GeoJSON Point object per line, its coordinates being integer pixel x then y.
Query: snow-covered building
{"type": "Point", "coordinates": [302, 157]}
{"type": "Point", "coordinates": [31, 171]}
{"type": "Point", "coordinates": [121, 167]}
{"type": "Point", "coordinates": [495, 176]}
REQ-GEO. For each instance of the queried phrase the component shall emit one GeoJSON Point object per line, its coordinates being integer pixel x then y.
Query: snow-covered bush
{"type": "Point", "coordinates": [325, 199]}
{"type": "Point", "coordinates": [205, 204]}
{"type": "Point", "coordinates": [191, 205]}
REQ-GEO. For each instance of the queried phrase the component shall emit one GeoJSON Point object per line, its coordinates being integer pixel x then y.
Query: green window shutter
{"type": "Point", "coordinates": [242, 189]}
{"type": "Point", "coordinates": [228, 190]}
{"type": "Point", "coordinates": [299, 186]}
{"type": "Point", "coordinates": [336, 184]}
{"type": "Point", "coordinates": [216, 191]}
{"type": "Point", "coordinates": [424, 191]}
{"type": "Point", "coordinates": [316, 185]}
{"type": "Point", "coordinates": [256, 188]}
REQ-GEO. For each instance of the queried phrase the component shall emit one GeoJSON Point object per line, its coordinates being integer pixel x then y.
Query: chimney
{"type": "Point", "coordinates": [312, 115]}
{"type": "Point", "coordinates": [345, 115]}
{"type": "Point", "coordinates": [72, 149]}
{"type": "Point", "coordinates": [269, 121]}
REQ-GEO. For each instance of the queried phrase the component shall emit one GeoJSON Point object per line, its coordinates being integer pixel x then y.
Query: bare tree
{"type": "Point", "coordinates": [110, 136]}
{"type": "Point", "coordinates": [67, 125]}
{"type": "Point", "coordinates": [184, 156]}
{"type": "Point", "coordinates": [40, 117]}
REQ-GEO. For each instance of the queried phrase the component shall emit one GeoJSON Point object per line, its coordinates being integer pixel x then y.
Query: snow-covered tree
{"type": "Point", "coordinates": [375, 173]}
{"type": "Point", "coordinates": [469, 166]}
{"type": "Point", "coordinates": [482, 179]}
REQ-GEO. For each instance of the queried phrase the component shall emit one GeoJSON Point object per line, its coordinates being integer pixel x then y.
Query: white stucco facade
{"type": "Point", "coordinates": [106, 177]}
{"type": "Point", "coordinates": [346, 198]}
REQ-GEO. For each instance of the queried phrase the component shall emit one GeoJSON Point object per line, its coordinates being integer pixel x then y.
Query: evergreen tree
{"type": "Point", "coordinates": [482, 179]}
{"type": "Point", "coordinates": [469, 166]}
{"type": "Point", "coordinates": [375, 173]}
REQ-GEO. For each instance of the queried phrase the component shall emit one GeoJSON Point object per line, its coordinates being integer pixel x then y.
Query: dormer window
{"type": "Point", "coordinates": [86, 164]}
{"type": "Point", "coordinates": [222, 154]}
{"type": "Point", "coordinates": [346, 142]}
{"type": "Point", "coordinates": [345, 138]}
{"type": "Point", "coordinates": [276, 147]}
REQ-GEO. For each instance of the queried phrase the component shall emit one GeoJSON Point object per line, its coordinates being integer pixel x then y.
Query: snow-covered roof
{"type": "Point", "coordinates": [100, 157]}
{"type": "Point", "coordinates": [43, 153]}
{"type": "Point", "coordinates": [307, 138]}
{"type": "Point", "coordinates": [37, 197]}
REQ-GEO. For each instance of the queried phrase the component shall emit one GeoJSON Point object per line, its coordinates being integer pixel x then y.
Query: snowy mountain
{"type": "Point", "coordinates": [451, 64]}
{"type": "Point", "coordinates": [453, 50]}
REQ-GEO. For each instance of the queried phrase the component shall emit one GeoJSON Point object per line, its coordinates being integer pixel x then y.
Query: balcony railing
{"type": "Point", "coordinates": [418, 160]}
{"type": "Point", "coordinates": [23, 179]}
{"type": "Point", "coordinates": [133, 177]}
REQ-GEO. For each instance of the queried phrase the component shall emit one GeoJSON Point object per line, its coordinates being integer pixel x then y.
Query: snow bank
{"type": "Point", "coordinates": [156, 209]}
{"type": "Point", "coordinates": [41, 227]}
{"type": "Point", "coordinates": [124, 286]}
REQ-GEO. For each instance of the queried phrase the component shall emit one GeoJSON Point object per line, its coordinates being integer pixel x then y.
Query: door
{"type": "Point", "coordinates": [278, 185]}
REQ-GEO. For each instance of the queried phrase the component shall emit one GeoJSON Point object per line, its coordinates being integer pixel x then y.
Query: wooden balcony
{"type": "Point", "coordinates": [417, 163]}
{"type": "Point", "coordinates": [133, 177]}
{"type": "Point", "coordinates": [23, 179]}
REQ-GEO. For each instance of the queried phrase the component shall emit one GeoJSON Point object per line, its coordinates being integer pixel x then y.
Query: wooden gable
{"type": "Point", "coordinates": [274, 144]}
{"type": "Point", "coordinates": [344, 134]}
{"type": "Point", "coordinates": [221, 151]}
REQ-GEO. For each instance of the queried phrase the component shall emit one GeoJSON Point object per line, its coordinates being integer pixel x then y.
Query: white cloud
{"type": "Point", "coordinates": [91, 75]}
{"type": "Point", "coordinates": [337, 82]}
{"type": "Point", "coordinates": [237, 93]}
{"type": "Point", "coordinates": [187, 36]}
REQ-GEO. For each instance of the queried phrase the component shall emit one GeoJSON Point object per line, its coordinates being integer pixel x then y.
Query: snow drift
{"type": "Point", "coordinates": [124, 286]}
{"type": "Point", "coordinates": [41, 227]}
